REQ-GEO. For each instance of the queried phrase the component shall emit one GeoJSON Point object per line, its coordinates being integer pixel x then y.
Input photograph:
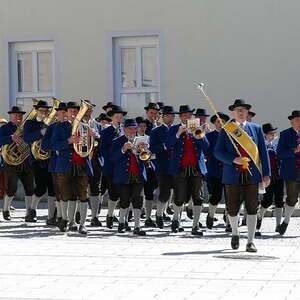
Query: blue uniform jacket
{"type": "Point", "coordinates": [158, 137]}
{"type": "Point", "coordinates": [121, 161]}
{"type": "Point", "coordinates": [214, 166]}
{"type": "Point", "coordinates": [104, 151]}
{"type": "Point", "coordinates": [285, 150]}
{"type": "Point", "coordinates": [32, 133]}
{"type": "Point", "coordinates": [225, 152]}
{"type": "Point", "coordinates": [62, 131]}
{"type": "Point", "coordinates": [47, 145]}
{"type": "Point", "coordinates": [6, 131]}
{"type": "Point", "coordinates": [177, 145]}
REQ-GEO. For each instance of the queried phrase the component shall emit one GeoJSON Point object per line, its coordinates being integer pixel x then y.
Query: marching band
{"type": "Point", "coordinates": [62, 152]}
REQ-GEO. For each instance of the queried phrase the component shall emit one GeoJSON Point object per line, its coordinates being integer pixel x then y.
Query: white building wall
{"type": "Point", "coordinates": [241, 49]}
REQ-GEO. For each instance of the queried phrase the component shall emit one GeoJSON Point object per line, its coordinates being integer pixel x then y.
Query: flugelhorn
{"type": "Point", "coordinates": [193, 127]}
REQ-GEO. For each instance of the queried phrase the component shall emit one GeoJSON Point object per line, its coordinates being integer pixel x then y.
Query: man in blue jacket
{"type": "Point", "coordinates": [129, 175]}
{"type": "Point", "coordinates": [34, 130]}
{"type": "Point", "coordinates": [152, 114]}
{"type": "Point", "coordinates": [214, 169]}
{"type": "Point", "coordinates": [22, 172]}
{"type": "Point", "coordinates": [187, 166]}
{"type": "Point", "coordinates": [289, 152]}
{"type": "Point", "coordinates": [72, 172]}
{"type": "Point", "coordinates": [158, 138]}
{"type": "Point", "coordinates": [274, 192]}
{"type": "Point", "coordinates": [107, 135]}
{"type": "Point", "coordinates": [243, 151]}
{"type": "Point", "coordinates": [61, 116]}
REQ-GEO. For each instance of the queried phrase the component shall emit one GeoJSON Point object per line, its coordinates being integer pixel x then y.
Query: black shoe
{"type": "Point", "coordinates": [175, 226]}
{"type": "Point", "coordinates": [150, 223]}
{"type": "Point", "coordinates": [215, 219]}
{"type": "Point", "coordinates": [109, 222]}
{"type": "Point", "coordinates": [77, 217]}
{"type": "Point", "coordinates": [235, 242]}
{"type": "Point", "coordinates": [224, 217]}
{"type": "Point", "coordinates": [143, 214]}
{"type": "Point", "coordinates": [115, 220]}
{"type": "Point", "coordinates": [73, 226]}
{"type": "Point", "coordinates": [95, 222]}
{"type": "Point", "coordinates": [250, 247]}
{"type": "Point", "coordinates": [63, 226]}
{"type": "Point", "coordinates": [82, 229]}
{"type": "Point", "coordinates": [138, 231]}
{"type": "Point", "coordinates": [160, 222]}
{"type": "Point", "coordinates": [130, 215]}
{"type": "Point", "coordinates": [51, 222]}
{"type": "Point", "coordinates": [6, 215]}
{"type": "Point", "coordinates": [170, 211]}
{"type": "Point", "coordinates": [58, 221]}
{"type": "Point", "coordinates": [127, 227]}
{"type": "Point", "coordinates": [258, 233]}
{"type": "Point", "coordinates": [166, 218]}
{"type": "Point", "coordinates": [31, 217]}
{"type": "Point", "coordinates": [121, 228]}
{"type": "Point", "coordinates": [189, 213]}
{"type": "Point", "coordinates": [277, 228]}
{"type": "Point", "coordinates": [228, 228]}
{"type": "Point", "coordinates": [200, 225]}
{"type": "Point", "coordinates": [195, 231]}
{"type": "Point", "coordinates": [258, 224]}
{"type": "Point", "coordinates": [180, 229]}
{"type": "Point", "coordinates": [209, 222]}
{"type": "Point", "coordinates": [282, 228]}
{"type": "Point", "coordinates": [244, 222]}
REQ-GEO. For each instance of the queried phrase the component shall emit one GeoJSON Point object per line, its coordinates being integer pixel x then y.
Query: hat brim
{"type": "Point", "coordinates": [291, 117]}
{"type": "Point", "coordinates": [147, 108]}
{"type": "Point", "coordinates": [187, 111]}
{"type": "Point", "coordinates": [105, 107]}
{"type": "Point", "coordinates": [232, 107]}
{"type": "Point", "coordinates": [58, 109]}
{"type": "Point", "coordinates": [17, 112]}
{"type": "Point", "coordinates": [42, 106]}
{"type": "Point", "coordinates": [112, 112]}
{"type": "Point", "coordinates": [77, 107]}
{"type": "Point", "coordinates": [169, 112]}
{"type": "Point", "coordinates": [201, 115]}
{"type": "Point", "coordinates": [223, 117]}
{"type": "Point", "coordinates": [131, 125]}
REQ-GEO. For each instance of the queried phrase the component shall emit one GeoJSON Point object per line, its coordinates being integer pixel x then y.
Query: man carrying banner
{"type": "Point", "coordinates": [241, 147]}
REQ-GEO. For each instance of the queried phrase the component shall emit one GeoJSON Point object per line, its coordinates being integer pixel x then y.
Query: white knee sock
{"type": "Point", "coordinates": [64, 209]}
{"type": "Point", "coordinates": [51, 207]}
{"type": "Point", "coordinates": [234, 222]}
{"type": "Point", "coordinates": [58, 208]}
{"type": "Point", "coordinates": [111, 207]}
{"type": "Point", "coordinates": [251, 225]}
{"type": "Point", "coordinates": [28, 200]}
{"type": "Point", "coordinates": [177, 212]}
{"type": "Point", "coordinates": [7, 203]}
{"type": "Point", "coordinates": [212, 210]}
{"type": "Point", "coordinates": [288, 211]}
{"type": "Point", "coordinates": [160, 208]}
{"type": "Point", "coordinates": [95, 202]}
{"type": "Point", "coordinates": [196, 212]}
{"type": "Point", "coordinates": [83, 207]}
{"type": "Point", "coordinates": [261, 212]}
{"type": "Point", "coordinates": [278, 215]}
{"type": "Point", "coordinates": [123, 212]}
{"type": "Point", "coordinates": [137, 217]}
{"type": "Point", "coordinates": [71, 210]}
{"type": "Point", "coordinates": [190, 204]}
{"type": "Point", "coordinates": [35, 201]}
{"type": "Point", "coordinates": [148, 208]}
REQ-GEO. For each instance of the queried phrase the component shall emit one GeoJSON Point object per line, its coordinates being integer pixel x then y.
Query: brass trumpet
{"type": "Point", "coordinates": [143, 153]}
{"type": "Point", "coordinates": [193, 127]}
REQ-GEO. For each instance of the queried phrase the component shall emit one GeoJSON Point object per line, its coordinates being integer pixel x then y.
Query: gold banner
{"type": "Point", "coordinates": [245, 141]}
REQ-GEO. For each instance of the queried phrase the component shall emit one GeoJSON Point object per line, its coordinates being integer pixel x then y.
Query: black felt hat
{"type": "Point", "coordinates": [116, 110]}
{"type": "Point", "coordinates": [42, 104]}
{"type": "Point", "coordinates": [108, 105]}
{"type": "Point", "coordinates": [16, 110]}
{"type": "Point", "coordinates": [239, 102]}
{"type": "Point", "coordinates": [103, 117]}
{"type": "Point", "coordinates": [221, 115]}
{"type": "Point", "coordinates": [168, 110]}
{"type": "Point", "coordinates": [295, 114]}
{"type": "Point", "coordinates": [268, 127]}
{"type": "Point", "coordinates": [201, 112]}
{"type": "Point", "coordinates": [61, 106]}
{"type": "Point", "coordinates": [73, 104]}
{"type": "Point", "coordinates": [184, 109]}
{"type": "Point", "coordinates": [140, 120]}
{"type": "Point", "coordinates": [130, 123]}
{"type": "Point", "coordinates": [152, 105]}
{"type": "Point", "coordinates": [251, 113]}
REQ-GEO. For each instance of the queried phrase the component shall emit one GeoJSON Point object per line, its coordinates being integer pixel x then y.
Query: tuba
{"type": "Point", "coordinates": [86, 144]}
{"type": "Point", "coordinates": [195, 129]}
{"type": "Point", "coordinates": [14, 154]}
{"type": "Point", "coordinates": [36, 150]}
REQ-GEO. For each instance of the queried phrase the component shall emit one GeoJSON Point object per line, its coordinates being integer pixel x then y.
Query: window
{"type": "Point", "coordinates": [136, 72]}
{"type": "Point", "coordinates": [32, 72]}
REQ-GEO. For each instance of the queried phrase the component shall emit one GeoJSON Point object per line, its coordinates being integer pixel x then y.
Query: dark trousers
{"type": "Point", "coordinates": [131, 192]}
{"type": "Point", "coordinates": [56, 187]}
{"type": "Point", "coordinates": [22, 172]}
{"type": "Point", "coordinates": [188, 185]}
{"type": "Point", "coordinates": [165, 183]}
{"type": "Point", "coordinates": [215, 189]}
{"type": "Point", "coordinates": [3, 182]}
{"type": "Point", "coordinates": [274, 192]}
{"type": "Point", "coordinates": [150, 185]}
{"type": "Point", "coordinates": [293, 190]}
{"type": "Point", "coordinates": [43, 179]}
{"type": "Point", "coordinates": [234, 199]}
{"type": "Point", "coordinates": [95, 180]}
{"type": "Point", "coordinates": [73, 185]}
{"type": "Point", "coordinates": [113, 191]}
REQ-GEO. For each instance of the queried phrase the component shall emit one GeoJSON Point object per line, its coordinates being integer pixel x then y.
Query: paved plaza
{"type": "Point", "coordinates": [39, 262]}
